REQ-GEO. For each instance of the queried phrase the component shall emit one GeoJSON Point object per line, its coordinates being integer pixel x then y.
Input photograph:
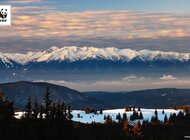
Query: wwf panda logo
{"type": "Point", "coordinates": [3, 13]}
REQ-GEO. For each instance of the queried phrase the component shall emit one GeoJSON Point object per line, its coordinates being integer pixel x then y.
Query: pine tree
{"type": "Point", "coordinates": [127, 128]}
{"type": "Point", "coordinates": [124, 117]}
{"type": "Point", "coordinates": [28, 113]}
{"type": "Point", "coordinates": [41, 111]}
{"type": "Point", "coordinates": [104, 117]}
{"type": "Point", "coordinates": [163, 112]}
{"type": "Point", "coordinates": [118, 117]}
{"type": "Point", "coordinates": [64, 110]}
{"type": "Point", "coordinates": [36, 110]}
{"type": "Point", "coordinates": [53, 113]}
{"type": "Point", "coordinates": [101, 111]}
{"type": "Point", "coordinates": [137, 131]}
{"type": "Point", "coordinates": [134, 116]}
{"type": "Point", "coordinates": [6, 108]}
{"type": "Point", "coordinates": [141, 116]}
{"type": "Point", "coordinates": [78, 115]}
{"type": "Point", "coordinates": [47, 103]}
{"type": "Point", "coordinates": [10, 113]}
{"type": "Point", "coordinates": [59, 113]}
{"type": "Point", "coordinates": [165, 119]}
{"type": "Point", "coordinates": [69, 115]}
{"type": "Point", "coordinates": [134, 109]}
{"type": "Point", "coordinates": [108, 119]}
{"type": "Point", "coordinates": [139, 109]}
{"type": "Point", "coordinates": [180, 115]}
{"type": "Point", "coordinates": [156, 112]}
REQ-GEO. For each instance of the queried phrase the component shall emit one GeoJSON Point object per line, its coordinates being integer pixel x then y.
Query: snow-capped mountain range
{"type": "Point", "coordinates": [73, 63]}
{"type": "Point", "coordinates": [73, 54]}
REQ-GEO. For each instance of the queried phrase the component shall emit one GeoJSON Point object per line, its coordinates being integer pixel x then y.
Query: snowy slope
{"type": "Point", "coordinates": [5, 60]}
{"type": "Point", "coordinates": [73, 53]}
{"type": "Point", "coordinates": [88, 118]}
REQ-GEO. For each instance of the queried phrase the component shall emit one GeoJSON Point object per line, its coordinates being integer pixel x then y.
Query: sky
{"type": "Point", "coordinates": [145, 24]}
{"type": "Point", "coordinates": [136, 24]}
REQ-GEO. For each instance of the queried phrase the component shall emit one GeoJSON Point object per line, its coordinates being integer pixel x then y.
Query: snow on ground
{"type": "Point", "coordinates": [88, 118]}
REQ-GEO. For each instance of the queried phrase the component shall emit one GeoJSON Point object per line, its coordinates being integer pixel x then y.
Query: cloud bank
{"type": "Point", "coordinates": [128, 83]}
{"type": "Point", "coordinates": [30, 23]}
{"type": "Point", "coordinates": [168, 77]}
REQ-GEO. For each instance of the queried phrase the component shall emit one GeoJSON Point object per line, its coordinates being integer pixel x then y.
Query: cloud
{"type": "Point", "coordinates": [168, 77]}
{"type": "Point", "coordinates": [117, 24]}
{"type": "Point", "coordinates": [133, 78]}
{"type": "Point", "coordinates": [121, 85]}
{"type": "Point", "coordinates": [97, 27]}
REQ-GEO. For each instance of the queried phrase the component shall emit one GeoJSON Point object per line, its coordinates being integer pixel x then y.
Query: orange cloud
{"type": "Point", "coordinates": [33, 21]}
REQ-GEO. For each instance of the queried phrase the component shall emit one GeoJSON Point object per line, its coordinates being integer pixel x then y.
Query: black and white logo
{"type": "Point", "coordinates": [5, 15]}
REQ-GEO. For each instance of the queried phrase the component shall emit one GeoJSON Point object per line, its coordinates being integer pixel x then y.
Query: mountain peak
{"type": "Point", "coordinates": [74, 53]}
{"type": "Point", "coordinates": [51, 49]}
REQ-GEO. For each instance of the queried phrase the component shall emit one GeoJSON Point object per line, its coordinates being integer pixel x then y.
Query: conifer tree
{"type": "Point", "coordinates": [53, 112]}
{"type": "Point", "coordinates": [6, 108]}
{"type": "Point", "coordinates": [139, 109]}
{"type": "Point", "coordinates": [124, 117]}
{"type": "Point", "coordinates": [47, 103]}
{"type": "Point", "coordinates": [36, 110]}
{"type": "Point", "coordinates": [108, 119]}
{"type": "Point", "coordinates": [118, 117]}
{"type": "Point", "coordinates": [64, 110]}
{"type": "Point", "coordinates": [101, 111]}
{"type": "Point", "coordinates": [137, 131]}
{"type": "Point", "coordinates": [141, 116]}
{"type": "Point", "coordinates": [78, 115]}
{"type": "Point", "coordinates": [104, 117]}
{"type": "Point", "coordinates": [156, 112]}
{"type": "Point", "coordinates": [59, 113]}
{"type": "Point", "coordinates": [41, 112]}
{"type": "Point", "coordinates": [28, 113]}
{"type": "Point", "coordinates": [127, 128]}
{"type": "Point", "coordinates": [163, 112]}
{"type": "Point", "coordinates": [165, 119]}
{"type": "Point", "coordinates": [69, 115]}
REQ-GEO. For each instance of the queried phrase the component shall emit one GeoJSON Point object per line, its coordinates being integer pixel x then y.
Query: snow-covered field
{"type": "Point", "coordinates": [88, 118]}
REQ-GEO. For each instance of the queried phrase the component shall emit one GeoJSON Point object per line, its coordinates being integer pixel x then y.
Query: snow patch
{"type": "Point", "coordinates": [99, 118]}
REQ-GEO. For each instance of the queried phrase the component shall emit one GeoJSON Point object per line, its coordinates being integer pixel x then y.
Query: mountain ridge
{"type": "Point", "coordinates": [73, 53]}
{"type": "Point", "coordinates": [150, 98]}
{"type": "Point", "coordinates": [20, 91]}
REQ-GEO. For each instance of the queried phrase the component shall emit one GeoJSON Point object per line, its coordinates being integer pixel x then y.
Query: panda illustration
{"type": "Point", "coordinates": [3, 13]}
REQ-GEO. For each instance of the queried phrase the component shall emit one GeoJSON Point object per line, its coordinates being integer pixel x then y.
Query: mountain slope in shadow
{"type": "Point", "coordinates": [20, 91]}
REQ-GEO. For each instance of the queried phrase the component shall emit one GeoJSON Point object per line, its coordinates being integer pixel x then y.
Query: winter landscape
{"type": "Point", "coordinates": [99, 118]}
{"type": "Point", "coordinates": [94, 70]}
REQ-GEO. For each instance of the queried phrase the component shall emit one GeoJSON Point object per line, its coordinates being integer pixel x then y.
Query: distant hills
{"type": "Point", "coordinates": [20, 91]}
{"type": "Point", "coordinates": [154, 98]}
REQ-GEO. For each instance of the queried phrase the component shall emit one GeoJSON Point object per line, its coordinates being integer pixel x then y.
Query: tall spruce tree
{"type": "Point", "coordinates": [69, 115]}
{"type": "Point", "coordinates": [36, 110]}
{"type": "Point", "coordinates": [47, 103]}
{"type": "Point", "coordinates": [6, 108]}
{"type": "Point", "coordinates": [28, 113]}
{"type": "Point", "coordinates": [53, 112]}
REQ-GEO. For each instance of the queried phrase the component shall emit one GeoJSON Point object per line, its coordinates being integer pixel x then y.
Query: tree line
{"type": "Point", "coordinates": [53, 121]}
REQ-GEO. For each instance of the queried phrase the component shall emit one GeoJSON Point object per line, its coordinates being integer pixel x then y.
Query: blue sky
{"type": "Point", "coordinates": [176, 6]}
{"type": "Point", "coordinates": [136, 24]}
